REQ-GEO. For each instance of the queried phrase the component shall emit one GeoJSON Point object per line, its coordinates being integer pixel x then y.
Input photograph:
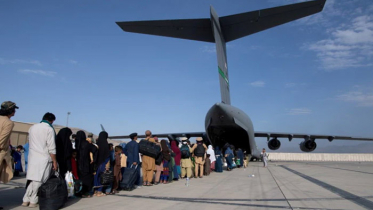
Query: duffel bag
{"type": "Point", "coordinates": [53, 193]}
{"type": "Point", "coordinates": [149, 148]}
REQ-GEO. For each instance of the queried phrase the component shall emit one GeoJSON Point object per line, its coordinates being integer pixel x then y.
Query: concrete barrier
{"type": "Point", "coordinates": [320, 157]}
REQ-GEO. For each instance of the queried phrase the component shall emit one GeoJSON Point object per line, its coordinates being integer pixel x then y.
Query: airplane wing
{"type": "Point", "coordinates": [166, 135]}
{"type": "Point", "coordinates": [290, 136]}
{"type": "Point", "coordinates": [267, 135]}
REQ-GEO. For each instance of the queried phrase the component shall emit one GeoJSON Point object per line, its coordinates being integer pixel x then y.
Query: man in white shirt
{"type": "Point", "coordinates": [41, 159]}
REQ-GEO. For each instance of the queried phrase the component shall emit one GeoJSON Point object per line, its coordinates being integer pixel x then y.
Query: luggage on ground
{"type": "Point", "coordinates": [234, 164]}
{"type": "Point", "coordinates": [70, 184]}
{"type": "Point", "coordinates": [78, 185]}
{"type": "Point", "coordinates": [53, 193]}
{"type": "Point", "coordinates": [238, 162]}
{"type": "Point", "coordinates": [129, 178]}
{"type": "Point", "coordinates": [107, 177]}
{"type": "Point", "coordinates": [149, 148]}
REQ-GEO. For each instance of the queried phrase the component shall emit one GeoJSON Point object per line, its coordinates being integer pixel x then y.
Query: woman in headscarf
{"type": "Point", "coordinates": [166, 159]}
{"type": "Point", "coordinates": [85, 171]}
{"type": "Point", "coordinates": [103, 162]}
{"type": "Point", "coordinates": [219, 161]}
{"type": "Point", "coordinates": [64, 150]}
{"type": "Point", "coordinates": [228, 154]}
{"type": "Point", "coordinates": [177, 152]}
{"type": "Point", "coordinates": [211, 152]}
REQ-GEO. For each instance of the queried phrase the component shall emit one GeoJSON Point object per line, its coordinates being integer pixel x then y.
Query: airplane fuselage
{"type": "Point", "coordinates": [227, 124]}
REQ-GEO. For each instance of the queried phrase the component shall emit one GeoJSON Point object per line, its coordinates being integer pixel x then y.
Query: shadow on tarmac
{"type": "Point", "coordinates": [229, 201]}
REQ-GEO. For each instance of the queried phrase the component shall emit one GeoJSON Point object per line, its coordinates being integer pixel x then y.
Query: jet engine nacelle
{"type": "Point", "coordinates": [308, 146]}
{"type": "Point", "coordinates": [274, 144]}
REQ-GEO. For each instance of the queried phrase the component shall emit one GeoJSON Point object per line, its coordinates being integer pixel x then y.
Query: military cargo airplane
{"type": "Point", "coordinates": [225, 123]}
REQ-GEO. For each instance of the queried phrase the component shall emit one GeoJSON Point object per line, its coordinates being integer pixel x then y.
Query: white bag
{"type": "Point", "coordinates": [70, 183]}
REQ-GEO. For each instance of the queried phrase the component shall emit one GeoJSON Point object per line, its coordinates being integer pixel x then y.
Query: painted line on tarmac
{"type": "Point", "coordinates": [344, 194]}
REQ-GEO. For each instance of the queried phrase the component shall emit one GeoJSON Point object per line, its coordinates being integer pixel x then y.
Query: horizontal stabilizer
{"type": "Point", "coordinates": [194, 29]}
{"type": "Point", "coordinates": [240, 25]}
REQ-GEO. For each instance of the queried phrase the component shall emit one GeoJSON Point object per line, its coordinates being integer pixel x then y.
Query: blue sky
{"type": "Point", "coordinates": [310, 76]}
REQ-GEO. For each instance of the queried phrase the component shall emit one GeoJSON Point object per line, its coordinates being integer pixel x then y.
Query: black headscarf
{"type": "Point", "coordinates": [165, 150]}
{"type": "Point", "coordinates": [80, 137]}
{"type": "Point", "coordinates": [64, 150]}
{"type": "Point", "coordinates": [103, 148]}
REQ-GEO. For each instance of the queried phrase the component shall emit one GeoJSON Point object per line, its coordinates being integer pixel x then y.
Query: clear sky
{"type": "Point", "coordinates": [310, 76]}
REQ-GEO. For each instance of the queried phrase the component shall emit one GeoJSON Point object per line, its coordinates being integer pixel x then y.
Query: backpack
{"type": "Point", "coordinates": [185, 152]}
{"type": "Point", "coordinates": [199, 151]}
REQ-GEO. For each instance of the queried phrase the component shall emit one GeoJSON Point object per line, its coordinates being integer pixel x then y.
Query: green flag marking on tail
{"type": "Point", "coordinates": [223, 75]}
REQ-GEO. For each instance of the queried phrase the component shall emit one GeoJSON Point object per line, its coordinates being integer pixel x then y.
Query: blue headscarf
{"type": "Point", "coordinates": [217, 151]}
{"type": "Point", "coordinates": [228, 151]}
{"type": "Point", "coordinates": [123, 145]}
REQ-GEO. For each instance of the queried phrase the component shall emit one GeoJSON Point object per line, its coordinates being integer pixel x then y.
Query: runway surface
{"type": "Point", "coordinates": [283, 185]}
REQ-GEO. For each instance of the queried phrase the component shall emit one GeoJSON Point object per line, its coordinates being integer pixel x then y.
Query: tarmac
{"type": "Point", "coordinates": [282, 185]}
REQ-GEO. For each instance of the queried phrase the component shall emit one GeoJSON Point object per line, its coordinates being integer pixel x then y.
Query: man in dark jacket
{"type": "Point", "coordinates": [132, 152]}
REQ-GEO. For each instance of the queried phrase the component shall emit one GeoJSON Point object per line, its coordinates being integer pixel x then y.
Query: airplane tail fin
{"type": "Point", "coordinates": [221, 53]}
{"type": "Point", "coordinates": [225, 29]}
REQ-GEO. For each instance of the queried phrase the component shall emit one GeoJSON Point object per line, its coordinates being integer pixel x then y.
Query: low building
{"type": "Point", "coordinates": [19, 134]}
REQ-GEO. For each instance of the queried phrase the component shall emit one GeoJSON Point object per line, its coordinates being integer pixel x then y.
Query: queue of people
{"type": "Point", "coordinates": [89, 160]}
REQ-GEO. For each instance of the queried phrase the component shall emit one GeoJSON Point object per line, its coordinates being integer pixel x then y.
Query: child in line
{"type": "Point", "coordinates": [245, 162]}
{"type": "Point", "coordinates": [74, 167]}
{"type": "Point", "coordinates": [17, 157]}
{"type": "Point", "coordinates": [165, 173]}
{"type": "Point", "coordinates": [117, 168]}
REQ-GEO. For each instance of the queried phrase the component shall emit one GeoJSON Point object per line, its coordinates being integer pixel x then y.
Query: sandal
{"type": "Point", "coordinates": [86, 196]}
{"type": "Point", "coordinates": [100, 194]}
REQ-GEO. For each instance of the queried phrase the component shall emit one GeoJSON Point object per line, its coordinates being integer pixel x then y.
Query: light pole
{"type": "Point", "coordinates": [67, 121]}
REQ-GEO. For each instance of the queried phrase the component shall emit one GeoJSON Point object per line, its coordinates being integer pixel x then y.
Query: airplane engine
{"type": "Point", "coordinates": [308, 146]}
{"type": "Point", "coordinates": [274, 144]}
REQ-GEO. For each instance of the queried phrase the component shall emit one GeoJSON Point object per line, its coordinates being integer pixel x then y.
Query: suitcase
{"type": "Point", "coordinates": [129, 178]}
{"type": "Point", "coordinates": [149, 148]}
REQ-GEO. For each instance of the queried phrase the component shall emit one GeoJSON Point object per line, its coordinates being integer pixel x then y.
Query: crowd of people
{"type": "Point", "coordinates": [88, 159]}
